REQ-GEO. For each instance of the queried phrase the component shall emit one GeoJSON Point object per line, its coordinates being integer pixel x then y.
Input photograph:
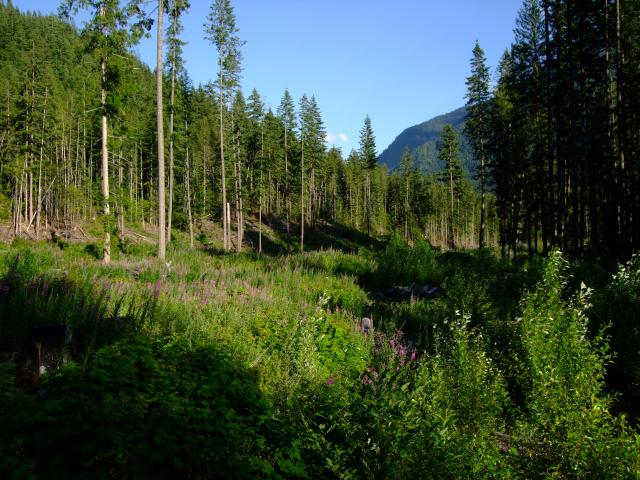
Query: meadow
{"type": "Point", "coordinates": [215, 365]}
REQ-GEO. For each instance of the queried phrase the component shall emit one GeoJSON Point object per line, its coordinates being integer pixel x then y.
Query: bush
{"type": "Point", "coordinates": [140, 408]}
{"type": "Point", "coordinates": [618, 305]}
{"type": "Point", "coordinates": [567, 430]}
{"type": "Point", "coordinates": [400, 264]}
{"type": "Point", "coordinates": [431, 417]}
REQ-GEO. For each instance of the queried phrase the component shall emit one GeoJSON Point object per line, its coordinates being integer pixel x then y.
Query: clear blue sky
{"type": "Point", "coordinates": [400, 61]}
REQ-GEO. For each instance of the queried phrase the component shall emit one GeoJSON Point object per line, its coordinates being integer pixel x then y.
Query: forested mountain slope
{"type": "Point", "coordinates": [422, 141]}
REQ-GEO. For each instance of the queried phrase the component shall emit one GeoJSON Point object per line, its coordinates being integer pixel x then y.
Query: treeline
{"type": "Point", "coordinates": [277, 167]}
{"type": "Point", "coordinates": [562, 138]}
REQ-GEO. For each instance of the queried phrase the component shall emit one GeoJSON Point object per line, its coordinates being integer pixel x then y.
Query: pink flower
{"type": "Point", "coordinates": [330, 381]}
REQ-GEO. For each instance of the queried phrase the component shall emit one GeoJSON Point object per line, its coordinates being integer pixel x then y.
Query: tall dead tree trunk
{"type": "Point", "coordinates": [188, 187]}
{"type": "Point", "coordinates": [171, 114]}
{"type": "Point", "coordinates": [39, 205]}
{"type": "Point", "coordinates": [225, 223]}
{"type": "Point", "coordinates": [302, 197]}
{"type": "Point", "coordinates": [160, 127]}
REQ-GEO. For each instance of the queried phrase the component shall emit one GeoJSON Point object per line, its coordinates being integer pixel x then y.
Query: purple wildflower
{"type": "Point", "coordinates": [330, 381]}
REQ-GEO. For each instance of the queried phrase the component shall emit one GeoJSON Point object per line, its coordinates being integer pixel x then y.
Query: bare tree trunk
{"type": "Point", "coordinates": [482, 201]}
{"type": "Point", "coordinates": [106, 250]}
{"type": "Point", "coordinates": [228, 215]}
{"type": "Point", "coordinates": [187, 181]}
{"type": "Point", "coordinates": [204, 181]}
{"type": "Point", "coordinates": [38, 206]}
{"type": "Point", "coordinates": [286, 182]}
{"type": "Point", "coordinates": [236, 188]}
{"type": "Point", "coordinates": [260, 221]}
{"type": "Point", "coordinates": [451, 235]}
{"type": "Point", "coordinates": [160, 126]}
{"type": "Point", "coordinates": [172, 100]}
{"type": "Point", "coordinates": [240, 204]}
{"type": "Point", "coordinates": [120, 208]}
{"type": "Point", "coordinates": [302, 197]}
{"type": "Point", "coordinates": [225, 223]}
{"type": "Point", "coordinates": [141, 189]}
{"type": "Point", "coordinates": [368, 202]}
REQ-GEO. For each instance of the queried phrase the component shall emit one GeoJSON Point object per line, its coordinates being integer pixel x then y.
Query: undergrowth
{"type": "Point", "coordinates": [254, 367]}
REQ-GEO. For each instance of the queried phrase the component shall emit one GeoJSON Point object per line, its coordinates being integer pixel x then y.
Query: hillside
{"type": "Point", "coordinates": [422, 140]}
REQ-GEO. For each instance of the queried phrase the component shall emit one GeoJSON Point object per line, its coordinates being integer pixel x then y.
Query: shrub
{"type": "Point", "coordinates": [140, 408]}
{"type": "Point", "coordinates": [432, 417]}
{"type": "Point", "coordinates": [618, 305]}
{"type": "Point", "coordinates": [400, 264]}
{"type": "Point", "coordinates": [567, 430]}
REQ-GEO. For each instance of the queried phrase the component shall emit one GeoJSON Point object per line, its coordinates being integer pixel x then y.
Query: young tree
{"type": "Point", "coordinates": [110, 32]}
{"type": "Point", "coordinates": [221, 31]}
{"type": "Point", "coordinates": [476, 123]}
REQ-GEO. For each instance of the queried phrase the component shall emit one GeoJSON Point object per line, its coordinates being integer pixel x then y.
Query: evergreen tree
{"type": "Point", "coordinates": [369, 157]}
{"type": "Point", "coordinates": [476, 123]}
{"type": "Point", "coordinates": [304, 138]}
{"type": "Point", "coordinates": [174, 58]}
{"type": "Point", "coordinates": [221, 30]}
{"type": "Point", "coordinates": [452, 174]}
{"type": "Point", "coordinates": [286, 113]}
{"type": "Point", "coordinates": [315, 152]}
{"type": "Point", "coordinates": [110, 32]}
{"type": "Point", "coordinates": [255, 154]}
{"type": "Point", "coordinates": [406, 171]}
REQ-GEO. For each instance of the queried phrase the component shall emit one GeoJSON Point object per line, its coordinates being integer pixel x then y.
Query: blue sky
{"type": "Point", "coordinates": [400, 61]}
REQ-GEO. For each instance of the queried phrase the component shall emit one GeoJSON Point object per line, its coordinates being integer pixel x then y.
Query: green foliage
{"type": "Point", "coordinates": [368, 144]}
{"type": "Point", "coordinates": [400, 264]}
{"type": "Point", "coordinates": [30, 298]}
{"type": "Point", "coordinates": [434, 417]}
{"type": "Point", "coordinates": [250, 366]}
{"type": "Point", "coordinates": [140, 407]}
{"type": "Point", "coordinates": [618, 305]}
{"type": "Point", "coordinates": [568, 430]}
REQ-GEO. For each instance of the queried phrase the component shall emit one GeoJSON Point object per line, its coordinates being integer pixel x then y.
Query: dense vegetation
{"type": "Point", "coordinates": [563, 128]}
{"type": "Point", "coordinates": [50, 151]}
{"type": "Point", "coordinates": [219, 364]}
{"type": "Point", "coordinates": [353, 333]}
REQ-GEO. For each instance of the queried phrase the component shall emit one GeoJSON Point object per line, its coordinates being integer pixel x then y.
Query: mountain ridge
{"type": "Point", "coordinates": [423, 140]}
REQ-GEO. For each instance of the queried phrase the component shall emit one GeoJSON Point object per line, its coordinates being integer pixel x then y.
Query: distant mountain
{"type": "Point", "coordinates": [423, 141]}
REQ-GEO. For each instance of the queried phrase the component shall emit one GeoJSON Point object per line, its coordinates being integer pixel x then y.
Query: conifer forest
{"type": "Point", "coordinates": [195, 284]}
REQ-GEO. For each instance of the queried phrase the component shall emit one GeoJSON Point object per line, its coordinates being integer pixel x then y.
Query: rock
{"type": "Point", "coordinates": [365, 325]}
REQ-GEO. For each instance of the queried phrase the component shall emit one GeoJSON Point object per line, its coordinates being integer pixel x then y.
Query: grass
{"type": "Point", "coordinates": [208, 364]}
